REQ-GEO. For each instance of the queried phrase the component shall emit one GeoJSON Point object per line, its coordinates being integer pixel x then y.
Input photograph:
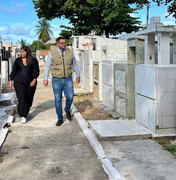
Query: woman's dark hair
{"type": "Point", "coordinates": [29, 58]}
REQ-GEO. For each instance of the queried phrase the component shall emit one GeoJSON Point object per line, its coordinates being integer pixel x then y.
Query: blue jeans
{"type": "Point", "coordinates": [60, 85]}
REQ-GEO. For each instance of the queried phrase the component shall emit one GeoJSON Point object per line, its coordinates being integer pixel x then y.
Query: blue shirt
{"type": "Point", "coordinates": [49, 63]}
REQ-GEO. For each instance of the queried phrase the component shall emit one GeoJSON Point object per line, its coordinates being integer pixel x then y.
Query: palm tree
{"type": "Point", "coordinates": [44, 30]}
{"type": "Point", "coordinates": [22, 42]}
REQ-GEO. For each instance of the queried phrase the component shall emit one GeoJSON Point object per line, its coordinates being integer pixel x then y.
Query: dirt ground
{"type": "Point", "coordinates": [90, 108]}
{"type": "Point", "coordinates": [85, 106]}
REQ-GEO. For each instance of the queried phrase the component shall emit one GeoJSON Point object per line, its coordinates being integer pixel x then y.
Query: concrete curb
{"type": "Point", "coordinates": [112, 173]}
{"type": "Point", "coordinates": [4, 131]}
{"type": "Point", "coordinates": [3, 135]}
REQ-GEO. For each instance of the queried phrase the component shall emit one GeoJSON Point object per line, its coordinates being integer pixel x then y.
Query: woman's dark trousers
{"type": "Point", "coordinates": [25, 95]}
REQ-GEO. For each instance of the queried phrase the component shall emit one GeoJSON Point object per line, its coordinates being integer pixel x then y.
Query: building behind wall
{"type": "Point", "coordinates": [88, 52]}
{"type": "Point", "coordinates": [9, 53]}
{"type": "Point", "coordinates": [0, 67]}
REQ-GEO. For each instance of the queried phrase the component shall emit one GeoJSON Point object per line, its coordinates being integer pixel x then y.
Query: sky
{"type": "Point", "coordinates": [18, 20]}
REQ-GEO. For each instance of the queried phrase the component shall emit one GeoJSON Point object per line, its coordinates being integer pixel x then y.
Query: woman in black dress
{"type": "Point", "coordinates": [25, 72]}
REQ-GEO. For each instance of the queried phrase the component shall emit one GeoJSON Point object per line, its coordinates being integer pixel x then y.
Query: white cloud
{"type": "Point", "coordinates": [56, 30]}
{"type": "Point", "coordinates": [7, 10]}
{"type": "Point", "coordinates": [19, 6]}
{"type": "Point", "coordinates": [16, 32]}
{"type": "Point", "coordinates": [168, 20]}
{"type": "Point", "coordinates": [14, 29]}
{"type": "Point", "coordinates": [14, 8]}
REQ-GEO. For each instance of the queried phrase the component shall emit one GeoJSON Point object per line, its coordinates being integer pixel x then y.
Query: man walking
{"type": "Point", "coordinates": [62, 62]}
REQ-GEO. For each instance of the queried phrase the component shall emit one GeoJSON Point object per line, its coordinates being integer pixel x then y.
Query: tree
{"type": "Point", "coordinates": [117, 17]}
{"type": "Point", "coordinates": [171, 6]}
{"type": "Point", "coordinates": [38, 45]}
{"type": "Point", "coordinates": [22, 42]}
{"type": "Point", "coordinates": [111, 16]}
{"type": "Point", "coordinates": [66, 31]}
{"type": "Point", "coordinates": [44, 30]}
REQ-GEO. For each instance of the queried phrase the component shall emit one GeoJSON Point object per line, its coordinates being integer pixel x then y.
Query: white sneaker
{"type": "Point", "coordinates": [23, 120]}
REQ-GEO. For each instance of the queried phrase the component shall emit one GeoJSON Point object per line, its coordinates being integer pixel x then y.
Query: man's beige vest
{"type": "Point", "coordinates": [61, 66]}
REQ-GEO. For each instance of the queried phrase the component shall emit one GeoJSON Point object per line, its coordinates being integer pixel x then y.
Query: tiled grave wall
{"type": "Point", "coordinates": [124, 89]}
{"type": "Point", "coordinates": [156, 102]}
{"type": "Point", "coordinates": [107, 84]}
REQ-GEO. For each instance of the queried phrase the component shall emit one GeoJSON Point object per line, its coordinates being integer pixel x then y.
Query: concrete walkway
{"type": "Point", "coordinates": [39, 150]}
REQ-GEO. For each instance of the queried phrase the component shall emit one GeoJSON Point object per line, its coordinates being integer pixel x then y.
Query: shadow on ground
{"type": "Point", "coordinates": [41, 108]}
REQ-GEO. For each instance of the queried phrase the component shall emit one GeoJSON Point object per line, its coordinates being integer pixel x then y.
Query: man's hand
{"type": "Point", "coordinates": [45, 83]}
{"type": "Point", "coordinates": [78, 80]}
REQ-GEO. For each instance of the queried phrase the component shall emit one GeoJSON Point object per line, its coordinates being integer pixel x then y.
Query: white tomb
{"type": "Point", "coordinates": [155, 80]}
{"type": "Point", "coordinates": [90, 52]}
{"type": "Point", "coordinates": [119, 77]}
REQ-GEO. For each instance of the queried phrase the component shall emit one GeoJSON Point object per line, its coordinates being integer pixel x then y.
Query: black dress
{"type": "Point", "coordinates": [22, 76]}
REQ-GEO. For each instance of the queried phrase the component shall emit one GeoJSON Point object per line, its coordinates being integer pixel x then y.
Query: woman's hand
{"type": "Point", "coordinates": [11, 84]}
{"type": "Point", "coordinates": [33, 83]}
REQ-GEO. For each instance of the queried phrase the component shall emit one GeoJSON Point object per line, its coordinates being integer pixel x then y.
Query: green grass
{"type": "Point", "coordinates": [165, 143]}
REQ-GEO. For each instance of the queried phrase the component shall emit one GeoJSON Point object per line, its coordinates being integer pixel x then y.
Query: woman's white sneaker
{"type": "Point", "coordinates": [23, 120]}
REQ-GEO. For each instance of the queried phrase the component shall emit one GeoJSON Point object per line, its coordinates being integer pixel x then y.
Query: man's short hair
{"type": "Point", "coordinates": [59, 38]}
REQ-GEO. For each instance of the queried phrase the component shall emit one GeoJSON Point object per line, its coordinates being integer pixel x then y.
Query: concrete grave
{"type": "Point", "coordinates": [155, 80]}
